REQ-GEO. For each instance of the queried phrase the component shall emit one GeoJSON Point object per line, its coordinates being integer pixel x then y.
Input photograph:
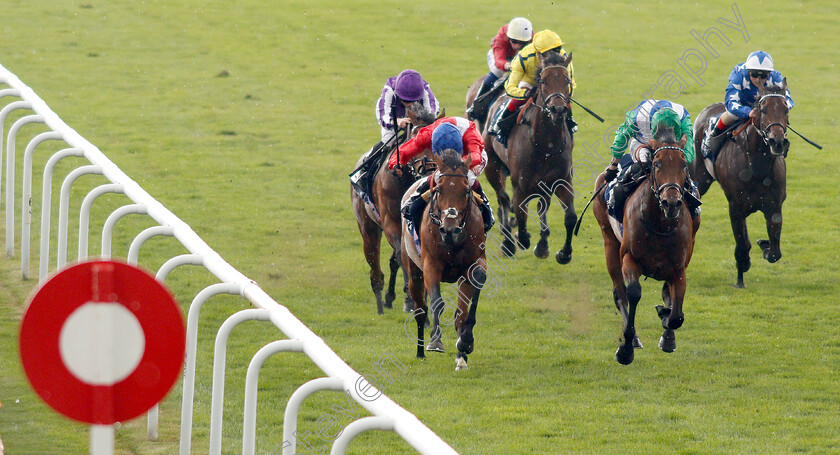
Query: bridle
{"type": "Point", "coordinates": [546, 109]}
{"type": "Point", "coordinates": [449, 212]}
{"type": "Point", "coordinates": [764, 132]}
{"type": "Point", "coordinates": [658, 191]}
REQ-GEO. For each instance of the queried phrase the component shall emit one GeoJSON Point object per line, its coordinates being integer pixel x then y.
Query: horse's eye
{"type": "Point", "coordinates": [657, 165]}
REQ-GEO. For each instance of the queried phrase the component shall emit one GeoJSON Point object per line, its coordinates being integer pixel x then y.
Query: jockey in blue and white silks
{"type": "Point", "coordinates": [741, 95]}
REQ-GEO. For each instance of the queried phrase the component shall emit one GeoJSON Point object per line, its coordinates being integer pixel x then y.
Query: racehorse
{"type": "Point", "coordinates": [538, 159]}
{"type": "Point", "coordinates": [751, 171]}
{"type": "Point", "coordinates": [657, 242]}
{"type": "Point", "coordinates": [471, 94]}
{"type": "Point", "coordinates": [386, 191]}
{"type": "Point", "coordinates": [452, 251]}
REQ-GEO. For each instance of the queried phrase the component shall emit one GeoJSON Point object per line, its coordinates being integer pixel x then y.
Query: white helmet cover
{"type": "Point", "coordinates": [759, 61]}
{"type": "Point", "coordinates": [520, 29]}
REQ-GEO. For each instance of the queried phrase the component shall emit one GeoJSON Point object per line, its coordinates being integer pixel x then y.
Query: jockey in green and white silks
{"type": "Point", "coordinates": [634, 135]}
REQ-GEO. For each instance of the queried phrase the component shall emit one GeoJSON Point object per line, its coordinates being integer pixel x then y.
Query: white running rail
{"type": "Point", "coordinates": [387, 415]}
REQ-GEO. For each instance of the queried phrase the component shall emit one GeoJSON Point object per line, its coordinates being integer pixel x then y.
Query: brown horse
{"type": "Point", "coordinates": [751, 172]}
{"type": "Point", "coordinates": [451, 251]}
{"type": "Point", "coordinates": [657, 242]}
{"type": "Point", "coordinates": [471, 94]}
{"type": "Point", "coordinates": [386, 192]}
{"type": "Point", "coordinates": [538, 159]}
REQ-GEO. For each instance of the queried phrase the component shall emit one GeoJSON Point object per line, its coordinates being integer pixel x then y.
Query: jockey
{"type": "Point", "coordinates": [523, 76]}
{"type": "Point", "coordinates": [404, 92]}
{"type": "Point", "coordinates": [455, 133]}
{"type": "Point", "coordinates": [634, 135]}
{"type": "Point", "coordinates": [503, 47]}
{"type": "Point", "coordinates": [741, 94]}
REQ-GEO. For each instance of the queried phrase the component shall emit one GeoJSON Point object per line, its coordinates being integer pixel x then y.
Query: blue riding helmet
{"type": "Point", "coordinates": [446, 136]}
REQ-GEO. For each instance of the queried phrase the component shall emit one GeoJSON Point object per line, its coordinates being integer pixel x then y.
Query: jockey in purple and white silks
{"type": "Point", "coordinates": [741, 95]}
{"type": "Point", "coordinates": [399, 93]}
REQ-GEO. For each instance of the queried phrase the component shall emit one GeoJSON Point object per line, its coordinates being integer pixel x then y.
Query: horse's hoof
{"type": "Point", "coordinates": [564, 257]}
{"type": "Point", "coordinates": [763, 244]}
{"type": "Point", "coordinates": [461, 364]}
{"type": "Point", "coordinates": [668, 342]}
{"type": "Point", "coordinates": [740, 284]}
{"type": "Point", "coordinates": [508, 248]}
{"type": "Point", "coordinates": [637, 343]}
{"type": "Point", "coordinates": [389, 300]}
{"type": "Point", "coordinates": [624, 354]}
{"type": "Point", "coordinates": [436, 346]}
{"type": "Point", "coordinates": [465, 346]}
{"type": "Point", "coordinates": [380, 311]}
{"type": "Point", "coordinates": [541, 251]}
{"type": "Point", "coordinates": [663, 312]}
{"type": "Point", "coordinates": [524, 240]}
{"type": "Point", "coordinates": [408, 305]}
{"type": "Point", "coordinates": [512, 222]}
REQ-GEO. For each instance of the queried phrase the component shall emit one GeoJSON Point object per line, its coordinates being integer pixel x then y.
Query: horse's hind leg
{"type": "Point", "coordinates": [371, 237]}
{"type": "Point", "coordinates": [742, 243]}
{"type": "Point", "coordinates": [772, 248]}
{"type": "Point", "coordinates": [437, 304]}
{"type": "Point", "coordinates": [495, 175]}
{"type": "Point", "coordinates": [520, 209]}
{"type": "Point", "coordinates": [390, 295]}
{"type": "Point", "coordinates": [469, 290]}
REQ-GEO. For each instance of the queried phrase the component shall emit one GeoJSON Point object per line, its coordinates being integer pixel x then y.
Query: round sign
{"type": "Point", "coordinates": [102, 342]}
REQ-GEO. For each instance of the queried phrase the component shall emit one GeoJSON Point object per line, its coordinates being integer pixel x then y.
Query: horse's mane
{"type": "Point", "coordinates": [665, 122]}
{"type": "Point", "coordinates": [451, 159]}
{"type": "Point", "coordinates": [424, 117]}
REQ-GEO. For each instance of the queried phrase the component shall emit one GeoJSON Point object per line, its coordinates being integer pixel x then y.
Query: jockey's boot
{"type": "Point", "coordinates": [692, 197]}
{"type": "Point", "coordinates": [712, 141]}
{"type": "Point", "coordinates": [624, 187]}
{"type": "Point", "coordinates": [412, 210]}
{"type": "Point", "coordinates": [504, 122]}
{"type": "Point", "coordinates": [486, 211]}
{"type": "Point", "coordinates": [478, 110]}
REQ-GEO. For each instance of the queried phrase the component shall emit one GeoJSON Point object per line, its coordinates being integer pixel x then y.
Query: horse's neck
{"type": "Point", "coordinates": [649, 209]}
{"type": "Point", "coordinates": [545, 137]}
{"type": "Point", "coordinates": [758, 155]}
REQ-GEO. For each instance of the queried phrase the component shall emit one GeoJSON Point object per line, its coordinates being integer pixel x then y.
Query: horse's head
{"type": "Point", "coordinates": [554, 85]}
{"type": "Point", "coordinates": [418, 114]}
{"type": "Point", "coordinates": [453, 196]}
{"type": "Point", "coordinates": [772, 119]}
{"type": "Point", "coordinates": [669, 169]}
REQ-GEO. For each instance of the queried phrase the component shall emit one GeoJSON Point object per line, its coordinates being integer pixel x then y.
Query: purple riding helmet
{"type": "Point", "coordinates": [409, 86]}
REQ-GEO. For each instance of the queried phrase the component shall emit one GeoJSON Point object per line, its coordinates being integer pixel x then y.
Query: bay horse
{"type": "Point", "coordinates": [752, 173]}
{"type": "Point", "coordinates": [538, 159]}
{"type": "Point", "coordinates": [657, 242]}
{"type": "Point", "coordinates": [451, 250]}
{"type": "Point", "coordinates": [473, 90]}
{"type": "Point", "coordinates": [386, 191]}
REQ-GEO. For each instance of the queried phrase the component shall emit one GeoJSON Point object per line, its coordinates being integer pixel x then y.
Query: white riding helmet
{"type": "Point", "coordinates": [520, 29]}
{"type": "Point", "coordinates": [759, 61]}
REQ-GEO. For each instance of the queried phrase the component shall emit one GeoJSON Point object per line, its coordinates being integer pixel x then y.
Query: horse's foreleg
{"type": "Point", "coordinates": [566, 195]}
{"type": "Point", "coordinates": [437, 304]}
{"type": "Point", "coordinates": [673, 293]}
{"type": "Point", "coordinates": [772, 248]}
{"type": "Point", "coordinates": [414, 278]}
{"type": "Point", "coordinates": [469, 290]}
{"type": "Point", "coordinates": [520, 210]}
{"type": "Point", "coordinates": [630, 271]}
{"type": "Point", "coordinates": [541, 251]}
{"type": "Point", "coordinates": [742, 243]}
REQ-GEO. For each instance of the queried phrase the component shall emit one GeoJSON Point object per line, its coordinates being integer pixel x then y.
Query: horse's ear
{"type": "Point", "coordinates": [784, 83]}
{"type": "Point", "coordinates": [568, 59]}
{"type": "Point", "coordinates": [467, 160]}
{"type": "Point", "coordinates": [683, 141]}
{"type": "Point", "coordinates": [442, 113]}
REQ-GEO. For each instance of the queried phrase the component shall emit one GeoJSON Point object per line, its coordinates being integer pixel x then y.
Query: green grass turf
{"type": "Point", "coordinates": [244, 119]}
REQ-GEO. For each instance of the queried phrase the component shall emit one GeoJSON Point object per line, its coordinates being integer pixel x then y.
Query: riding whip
{"type": "Point", "coordinates": [806, 139]}
{"type": "Point", "coordinates": [580, 218]}
{"type": "Point", "coordinates": [589, 111]}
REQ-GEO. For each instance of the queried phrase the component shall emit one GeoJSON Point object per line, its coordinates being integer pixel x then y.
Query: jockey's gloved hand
{"type": "Point", "coordinates": [610, 174]}
{"type": "Point", "coordinates": [397, 170]}
{"type": "Point", "coordinates": [644, 154]}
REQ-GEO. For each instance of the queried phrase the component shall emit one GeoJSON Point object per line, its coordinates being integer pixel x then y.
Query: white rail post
{"type": "Point", "coordinates": [10, 179]}
{"type": "Point", "coordinates": [64, 207]}
{"type": "Point", "coordinates": [219, 353]}
{"type": "Point", "coordinates": [162, 273]}
{"type": "Point", "coordinates": [358, 427]}
{"type": "Point", "coordinates": [294, 404]}
{"type": "Point", "coordinates": [191, 347]}
{"type": "Point", "coordinates": [84, 213]}
{"type": "Point", "coordinates": [26, 197]}
{"type": "Point", "coordinates": [108, 229]}
{"type": "Point", "coordinates": [249, 423]}
{"type": "Point", "coordinates": [46, 202]}
{"type": "Point", "coordinates": [7, 109]}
